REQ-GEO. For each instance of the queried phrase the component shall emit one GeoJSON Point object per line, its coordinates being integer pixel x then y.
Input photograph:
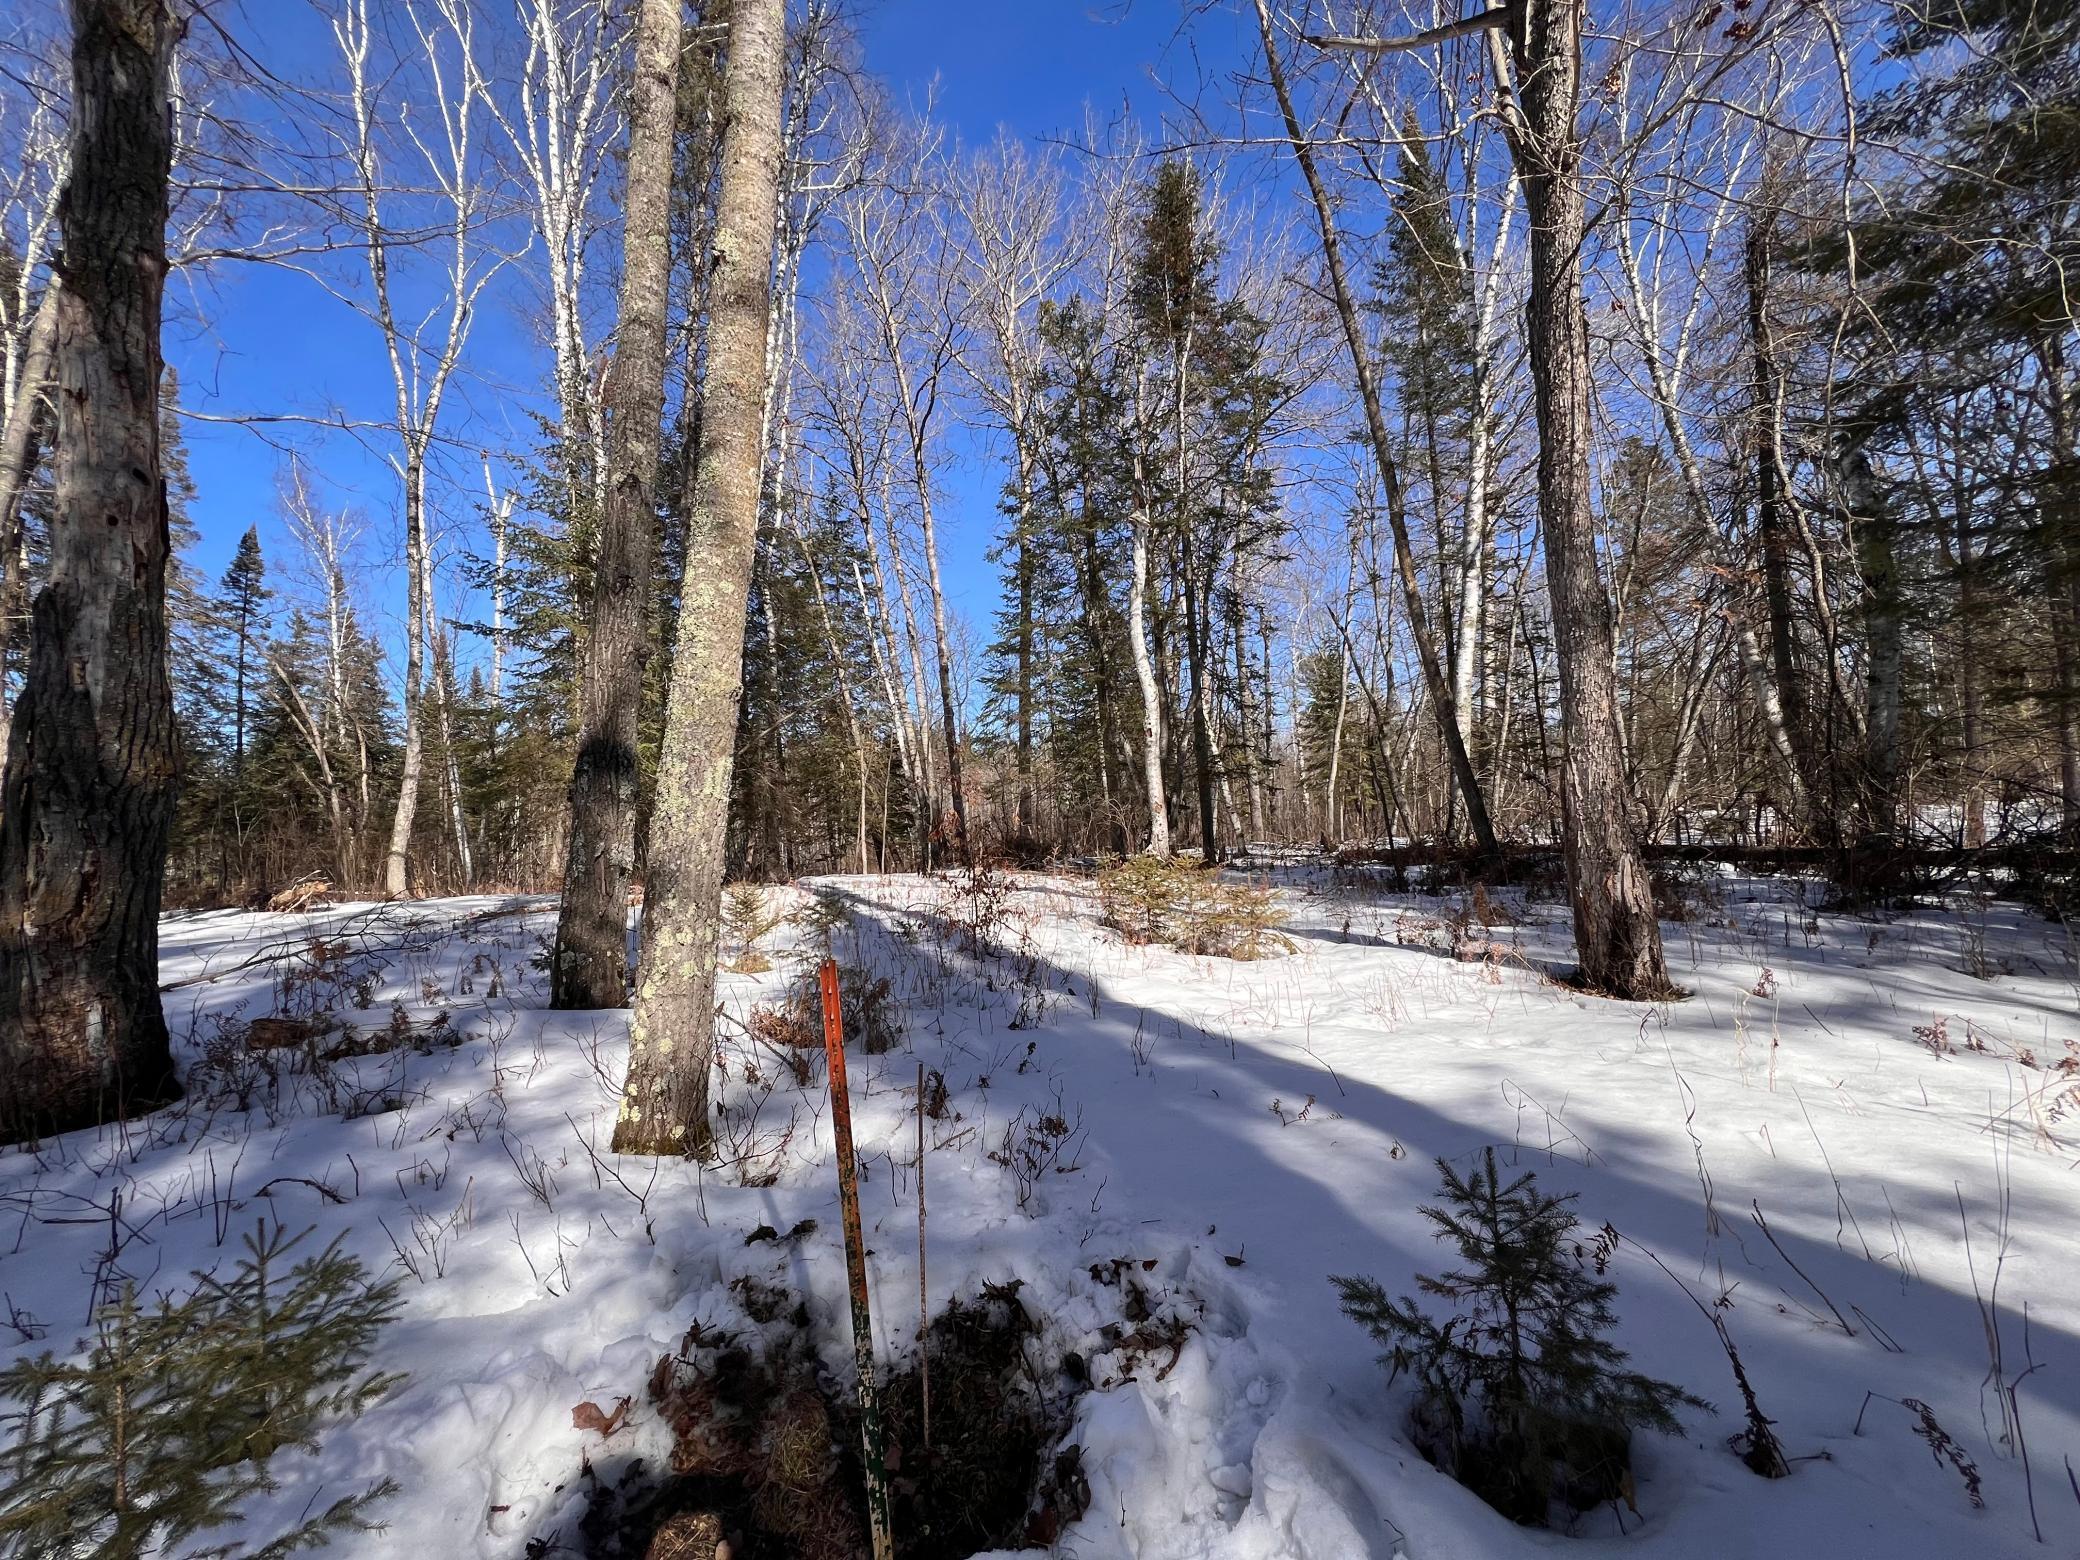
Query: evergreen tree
{"type": "Point", "coordinates": [241, 600]}
{"type": "Point", "coordinates": [168, 1424]}
{"type": "Point", "coordinates": [1968, 298]}
{"type": "Point", "coordinates": [1329, 727]}
{"type": "Point", "coordinates": [1425, 304]}
{"type": "Point", "coordinates": [1519, 1393]}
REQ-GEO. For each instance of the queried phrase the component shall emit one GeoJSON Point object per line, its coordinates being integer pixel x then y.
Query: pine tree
{"type": "Point", "coordinates": [1965, 267]}
{"type": "Point", "coordinates": [235, 665]}
{"type": "Point", "coordinates": [1173, 296]}
{"type": "Point", "coordinates": [1081, 517]}
{"type": "Point", "coordinates": [1520, 1396]}
{"type": "Point", "coordinates": [242, 595]}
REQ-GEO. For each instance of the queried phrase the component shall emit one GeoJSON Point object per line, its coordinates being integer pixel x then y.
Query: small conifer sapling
{"type": "Point", "coordinates": [1519, 1393]}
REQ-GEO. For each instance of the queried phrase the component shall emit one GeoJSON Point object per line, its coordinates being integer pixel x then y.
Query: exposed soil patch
{"type": "Point", "coordinates": [766, 1450]}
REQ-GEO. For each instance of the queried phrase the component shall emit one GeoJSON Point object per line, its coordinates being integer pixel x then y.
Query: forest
{"type": "Point", "coordinates": [1256, 398]}
{"type": "Point", "coordinates": [678, 477]}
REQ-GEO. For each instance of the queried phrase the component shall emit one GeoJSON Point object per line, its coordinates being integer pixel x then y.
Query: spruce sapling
{"type": "Point", "coordinates": [165, 1429]}
{"type": "Point", "coordinates": [746, 922]}
{"type": "Point", "coordinates": [1518, 1394]}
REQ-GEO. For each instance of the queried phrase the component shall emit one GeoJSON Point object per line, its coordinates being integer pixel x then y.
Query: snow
{"type": "Point", "coordinates": [1918, 1191]}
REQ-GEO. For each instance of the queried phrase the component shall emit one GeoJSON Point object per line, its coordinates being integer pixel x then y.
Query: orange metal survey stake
{"type": "Point", "coordinates": [856, 1267]}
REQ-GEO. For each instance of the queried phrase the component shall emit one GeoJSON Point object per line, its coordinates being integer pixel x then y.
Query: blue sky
{"type": "Point", "coordinates": [258, 339]}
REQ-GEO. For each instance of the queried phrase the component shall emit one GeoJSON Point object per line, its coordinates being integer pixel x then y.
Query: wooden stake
{"type": "Point", "coordinates": [856, 1269]}
{"type": "Point", "coordinates": [924, 1298]}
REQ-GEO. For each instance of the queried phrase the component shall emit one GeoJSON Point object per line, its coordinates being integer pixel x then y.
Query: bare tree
{"type": "Point", "coordinates": [1616, 935]}
{"type": "Point", "coordinates": [1538, 81]}
{"type": "Point", "coordinates": [561, 129]}
{"type": "Point", "coordinates": [324, 538]}
{"type": "Point", "coordinates": [421, 367]}
{"type": "Point", "coordinates": [902, 249]}
{"type": "Point", "coordinates": [87, 798]}
{"type": "Point", "coordinates": [591, 960]}
{"type": "Point", "coordinates": [856, 420]}
{"type": "Point", "coordinates": [1016, 254]}
{"type": "Point", "coordinates": [1442, 702]}
{"type": "Point", "coordinates": [1667, 347]}
{"type": "Point", "coordinates": [34, 157]}
{"type": "Point", "coordinates": [664, 1107]}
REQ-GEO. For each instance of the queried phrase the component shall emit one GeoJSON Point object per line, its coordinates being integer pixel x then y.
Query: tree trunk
{"type": "Point", "coordinates": [1477, 543]}
{"type": "Point", "coordinates": [17, 446]}
{"type": "Point", "coordinates": [1443, 705]}
{"type": "Point", "coordinates": [442, 654]}
{"type": "Point", "coordinates": [1096, 609]}
{"type": "Point", "coordinates": [18, 455]}
{"type": "Point", "coordinates": [664, 1108]}
{"type": "Point", "coordinates": [845, 694]}
{"type": "Point", "coordinates": [1617, 938]}
{"type": "Point", "coordinates": [1028, 822]}
{"type": "Point", "coordinates": [591, 960]}
{"type": "Point", "coordinates": [1137, 643]}
{"type": "Point", "coordinates": [1196, 632]}
{"type": "Point", "coordinates": [1871, 524]}
{"type": "Point", "coordinates": [2065, 614]}
{"type": "Point", "coordinates": [1793, 716]}
{"type": "Point", "coordinates": [88, 795]}
{"type": "Point", "coordinates": [943, 651]}
{"type": "Point", "coordinates": [413, 760]}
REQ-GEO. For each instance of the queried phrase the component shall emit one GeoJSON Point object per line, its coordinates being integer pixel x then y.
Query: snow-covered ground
{"type": "Point", "coordinates": [1899, 1099]}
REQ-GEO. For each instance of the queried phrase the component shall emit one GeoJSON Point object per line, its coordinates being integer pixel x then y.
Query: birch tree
{"type": "Point", "coordinates": [1366, 378]}
{"type": "Point", "coordinates": [422, 359]}
{"type": "Point", "coordinates": [35, 155]}
{"type": "Point", "coordinates": [1015, 256]}
{"type": "Point", "coordinates": [1537, 75]}
{"type": "Point", "coordinates": [560, 127]}
{"type": "Point", "coordinates": [900, 245]}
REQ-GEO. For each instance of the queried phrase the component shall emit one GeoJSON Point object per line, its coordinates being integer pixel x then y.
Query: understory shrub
{"type": "Point", "coordinates": [1519, 1395]}
{"type": "Point", "coordinates": [866, 1003]}
{"type": "Point", "coordinates": [1156, 899]}
{"type": "Point", "coordinates": [167, 1425]}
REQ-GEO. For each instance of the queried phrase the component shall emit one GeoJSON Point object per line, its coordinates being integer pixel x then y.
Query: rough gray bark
{"type": "Point", "coordinates": [88, 794]}
{"type": "Point", "coordinates": [1617, 938]}
{"type": "Point", "coordinates": [664, 1107]}
{"type": "Point", "coordinates": [591, 958]}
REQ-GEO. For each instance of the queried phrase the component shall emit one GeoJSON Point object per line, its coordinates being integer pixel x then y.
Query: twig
{"type": "Point", "coordinates": [1841, 1200]}
{"type": "Point", "coordinates": [2029, 1484]}
{"type": "Point", "coordinates": [1764, 1454]}
{"type": "Point", "coordinates": [1770, 1235]}
{"type": "Point", "coordinates": [319, 1187]}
